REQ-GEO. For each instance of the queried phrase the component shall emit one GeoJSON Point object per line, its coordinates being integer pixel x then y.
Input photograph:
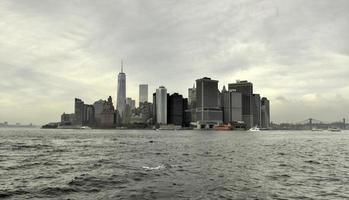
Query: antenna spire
{"type": "Point", "coordinates": [122, 66]}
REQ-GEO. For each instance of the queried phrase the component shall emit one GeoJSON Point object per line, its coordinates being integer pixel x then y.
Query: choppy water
{"type": "Point", "coordinates": [115, 164]}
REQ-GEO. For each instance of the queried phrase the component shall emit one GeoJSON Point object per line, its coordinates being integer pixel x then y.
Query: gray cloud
{"type": "Point", "coordinates": [296, 52]}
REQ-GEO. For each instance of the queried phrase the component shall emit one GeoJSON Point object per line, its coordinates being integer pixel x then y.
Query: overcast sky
{"type": "Point", "coordinates": [296, 52]}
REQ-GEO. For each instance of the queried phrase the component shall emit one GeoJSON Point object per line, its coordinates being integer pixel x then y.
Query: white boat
{"type": "Point", "coordinates": [334, 129]}
{"type": "Point", "coordinates": [317, 129]}
{"type": "Point", "coordinates": [254, 129]}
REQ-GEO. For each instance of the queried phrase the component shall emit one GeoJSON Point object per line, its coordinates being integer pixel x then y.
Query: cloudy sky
{"type": "Point", "coordinates": [296, 52]}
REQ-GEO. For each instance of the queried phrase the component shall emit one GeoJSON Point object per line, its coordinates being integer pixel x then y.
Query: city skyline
{"type": "Point", "coordinates": [299, 60]}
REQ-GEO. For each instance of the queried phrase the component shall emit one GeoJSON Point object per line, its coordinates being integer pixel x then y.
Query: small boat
{"type": "Point", "coordinates": [223, 127]}
{"type": "Point", "coordinates": [85, 127]}
{"type": "Point", "coordinates": [254, 129]}
{"type": "Point", "coordinates": [334, 130]}
{"type": "Point", "coordinates": [316, 129]}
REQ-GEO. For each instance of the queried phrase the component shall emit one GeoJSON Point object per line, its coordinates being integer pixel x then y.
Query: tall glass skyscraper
{"type": "Point", "coordinates": [161, 105]}
{"type": "Point", "coordinates": [121, 93]}
{"type": "Point", "coordinates": [143, 93]}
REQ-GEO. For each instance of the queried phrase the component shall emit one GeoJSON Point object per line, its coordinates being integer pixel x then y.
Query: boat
{"type": "Point", "coordinates": [85, 127]}
{"type": "Point", "coordinates": [316, 129]}
{"type": "Point", "coordinates": [223, 127]}
{"type": "Point", "coordinates": [334, 130]}
{"type": "Point", "coordinates": [254, 129]}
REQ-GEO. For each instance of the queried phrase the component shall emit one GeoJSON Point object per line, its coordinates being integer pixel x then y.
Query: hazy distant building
{"type": "Point", "coordinates": [131, 103]}
{"type": "Point", "coordinates": [161, 105]}
{"type": "Point", "coordinates": [192, 97]}
{"type": "Point", "coordinates": [78, 111]}
{"type": "Point", "coordinates": [265, 113]}
{"type": "Point", "coordinates": [256, 110]}
{"type": "Point", "coordinates": [83, 113]}
{"type": "Point", "coordinates": [107, 116]}
{"type": "Point", "coordinates": [231, 106]}
{"type": "Point", "coordinates": [146, 112]}
{"type": "Point", "coordinates": [176, 109]}
{"type": "Point", "coordinates": [121, 93]}
{"type": "Point", "coordinates": [154, 109]}
{"type": "Point", "coordinates": [143, 93]}
{"type": "Point", "coordinates": [208, 112]}
{"type": "Point", "coordinates": [67, 119]}
{"type": "Point", "coordinates": [246, 90]}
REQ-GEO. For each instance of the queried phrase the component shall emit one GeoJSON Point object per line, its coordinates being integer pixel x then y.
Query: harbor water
{"type": "Point", "coordinates": [147, 164]}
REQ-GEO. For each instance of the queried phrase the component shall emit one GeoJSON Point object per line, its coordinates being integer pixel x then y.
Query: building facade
{"type": "Point", "coordinates": [121, 93]}
{"type": "Point", "coordinates": [143, 93]}
{"type": "Point", "coordinates": [256, 106]}
{"type": "Point", "coordinates": [246, 90]}
{"type": "Point", "coordinates": [265, 113]}
{"type": "Point", "coordinates": [176, 109]}
{"type": "Point", "coordinates": [208, 112]}
{"type": "Point", "coordinates": [231, 106]}
{"type": "Point", "coordinates": [161, 105]}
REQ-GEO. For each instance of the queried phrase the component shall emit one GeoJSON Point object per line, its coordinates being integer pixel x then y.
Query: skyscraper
{"type": "Point", "coordinates": [232, 107]}
{"type": "Point", "coordinates": [143, 93]}
{"type": "Point", "coordinates": [161, 105]}
{"type": "Point", "coordinates": [256, 109]}
{"type": "Point", "coordinates": [265, 113]}
{"type": "Point", "coordinates": [208, 112]}
{"type": "Point", "coordinates": [246, 90]}
{"type": "Point", "coordinates": [121, 96]}
{"type": "Point", "coordinates": [176, 109]}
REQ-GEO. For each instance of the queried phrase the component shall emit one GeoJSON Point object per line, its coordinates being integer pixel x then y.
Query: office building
{"type": "Point", "coordinates": [246, 90]}
{"type": "Point", "coordinates": [256, 110]}
{"type": "Point", "coordinates": [208, 112]}
{"type": "Point", "coordinates": [231, 106]}
{"type": "Point", "coordinates": [131, 103]}
{"type": "Point", "coordinates": [265, 113]}
{"type": "Point", "coordinates": [83, 113]}
{"type": "Point", "coordinates": [161, 105]}
{"type": "Point", "coordinates": [121, 93]}
{"type": "Point", "coordinates": [143, 93]}
{"type": "Point", "coordinates": [176, 109]}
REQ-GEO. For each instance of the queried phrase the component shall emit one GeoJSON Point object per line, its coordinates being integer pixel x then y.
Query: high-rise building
{"type": "Point", "coordinates": [161, 105]}
{"type": "Point", "coordinates": [265, 113]}
{"type": "Point", "coordinates": [131, 103]}
{"type": "Point", "coordinates": [208, 112]}
{"type": "Point", "coordinates": [192, 97]}
{"type": "Point", "coordinates": [121, 96]}
{"type": "Point", "coordinates": [78, 111]}
{"type": "Point", "coordinates": [154, 109]}
{"type": "Point", "coordinates": [256, 110]}
{"type": "Point", "coordinates": [83, 113]}
{"type": "Point", "coordinates": [246, 90]}
{"type": "Point", "coordinates": [143, 93]}
{"type": "Point", "coordinates": [175, 109]}
{"type": "Point", "coordinates": [232, 106]}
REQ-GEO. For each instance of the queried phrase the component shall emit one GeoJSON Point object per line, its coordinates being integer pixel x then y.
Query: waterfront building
{"type": "Point", "coordinates": [161, 105]}
{"type": "Point", "coordinates": [176, 109]}
{"type": "Point", "coordinates": [121, 92]}
{"type": "Point", "coordinates": [246, 90]}
{"type": "Point", "coordinates": [192, 97]}
{"type": "Point", "coordinates": [83, 113]}
{"type": "Point", "coordinates": [208, 112]}
{"type": "Point", "coordinates": [67, 119]}
{"type": "Point", "coordinates": [256, 110]}
{"type": "Point", "coordinates": [154, 109]}
{"type": "Point", "coordinates": [231, 106]}
{"type": "Point", "coordinates": [78, 111]}
{"type": "Point", "coordinates": [108, 116]}
{"type": "Point", "coordinates": [98, 106]}
{"type": "Point", "coordinates": [146, 112]}
{"type": "Point", "coordinates": [143, 93]}
{"type": "Point", "coordinates": [265, 113]}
